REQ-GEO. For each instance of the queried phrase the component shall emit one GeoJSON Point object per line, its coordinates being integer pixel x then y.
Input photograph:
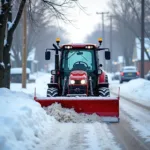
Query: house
{"type": "Point", "coordinates": [137, 55]}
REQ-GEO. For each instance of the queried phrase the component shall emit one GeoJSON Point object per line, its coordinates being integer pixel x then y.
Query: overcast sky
{"type": "Point", "coordinates": [85, 23]}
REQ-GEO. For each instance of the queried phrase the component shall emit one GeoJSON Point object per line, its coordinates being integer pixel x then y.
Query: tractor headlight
{"type": "Point", "coordinates": [83, 81]}
{"type": "Point", "coordinates": [72, 81]}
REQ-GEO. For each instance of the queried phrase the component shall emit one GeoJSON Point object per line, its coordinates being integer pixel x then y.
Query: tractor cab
{"type": "Point", "coordinates": [78, 58]}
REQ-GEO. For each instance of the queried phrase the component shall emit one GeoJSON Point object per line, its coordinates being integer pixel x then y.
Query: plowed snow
{"type": "Point", "coordinates": [69, 115]}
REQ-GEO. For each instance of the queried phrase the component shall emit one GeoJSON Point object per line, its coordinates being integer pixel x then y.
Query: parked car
{"type": "Point", "coordinates": [128, 73]}
{"type": "Point", "coordinates": [147, 76]}
{"type": "Point", "coordinates": [16, 75]}
{"type": "Point", "coordinates": [116, 76]}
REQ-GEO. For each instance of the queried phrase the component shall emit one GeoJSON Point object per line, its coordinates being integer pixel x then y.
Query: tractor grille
{"type": "Point", "coordinates": [77, 89]}
{"type": "Point", "coordinates": [77, 81]}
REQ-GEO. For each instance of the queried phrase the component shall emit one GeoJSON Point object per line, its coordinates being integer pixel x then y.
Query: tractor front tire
{"type": "Point", "coordinates": [52, 92]}
{"type": "Point", "coordinates": [104, 92]}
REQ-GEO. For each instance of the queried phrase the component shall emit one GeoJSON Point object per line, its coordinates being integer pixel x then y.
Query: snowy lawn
{"type": "Point", "coordinates": [137, 90]}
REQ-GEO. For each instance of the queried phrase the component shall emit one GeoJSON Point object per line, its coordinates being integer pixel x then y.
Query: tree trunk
{"type": "Point", "coordinates": [6, 53]}
{"type": "Point", "coordinates": [7, 60]}
{"type": "Point", "coordinates": [3, 22]}
{"type": "Point", "coordinates": [7, 47]}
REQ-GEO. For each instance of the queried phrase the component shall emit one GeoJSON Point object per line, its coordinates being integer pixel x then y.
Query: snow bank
{"type": "Point", "coordinates": [137, 90]}
{"type": "Point", "coordinates": [22, 121]}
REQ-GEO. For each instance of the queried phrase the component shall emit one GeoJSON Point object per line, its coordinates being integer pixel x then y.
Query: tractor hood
{"type": "Point", "coordinates": [78, 75]}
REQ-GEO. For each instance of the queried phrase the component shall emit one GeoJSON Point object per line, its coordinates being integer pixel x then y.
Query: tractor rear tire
{"type": "Point", "coordinates": [104, 92]}
{"type": "Point", "coordinates": [52, 92]}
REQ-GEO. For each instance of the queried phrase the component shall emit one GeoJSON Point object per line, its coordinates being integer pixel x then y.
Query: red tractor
{"type": "Point", "coordinates": [79, 82]}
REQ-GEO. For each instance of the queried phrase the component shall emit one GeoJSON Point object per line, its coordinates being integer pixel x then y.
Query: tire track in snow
{"type": "Point", "coordinates": [78, 136]}
{"type": "Point", "coordinates": [78, 139]}
{"type": "Point", "coordinates": [92, 136]}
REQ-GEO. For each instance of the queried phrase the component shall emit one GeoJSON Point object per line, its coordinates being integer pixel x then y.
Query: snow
{"type": "Point", "coordinates": [139, 119]}
{"type": "Point", "coordinates": [69, 115]}
{"type": "Point", "coordinates": [40, 85]}
{"type": "Point", "coordinates": [5, 42]}
{"type": "Point", "coordinates": [2, 64]}
{"type": "Point", "coordinates": [23, 121]}
{"type": "Point", "coordinates": [18, 70]}
{"type": "Point", "coordinates": [10, 24]}
{"type": "Point", "coordinates": [27, 126]}
{"type": "Point", "coordinates": [136, 90]}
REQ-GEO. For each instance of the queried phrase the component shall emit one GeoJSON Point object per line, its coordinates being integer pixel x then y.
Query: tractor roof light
{"type": "Point", "coordinates": [57, 41]}
{"type": "Point", "coordinates": [89, 46]}
{"type": "Point", "coordinates": [68, 47]}
{"type": "Point", "coordinates": [100, 40]}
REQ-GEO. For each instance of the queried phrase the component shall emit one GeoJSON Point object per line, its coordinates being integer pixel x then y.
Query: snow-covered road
{"type": "Point", "coordinates": [78, 136]}
{"type": "Point", "coordinates": [28, 126]}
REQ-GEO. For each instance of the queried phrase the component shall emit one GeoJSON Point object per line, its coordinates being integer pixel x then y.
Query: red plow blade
{"type": "Point", "coordinates": [105, 107]}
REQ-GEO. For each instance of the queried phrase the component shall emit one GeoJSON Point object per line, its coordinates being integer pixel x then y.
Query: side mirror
{"type": "Point", "coordinates": [107, 55]}
{"type": "Point", "coordinates": [47, 55]}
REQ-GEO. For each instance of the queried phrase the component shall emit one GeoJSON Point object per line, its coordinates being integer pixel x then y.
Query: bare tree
{"type": "Point", "coordinates": [55, 8]}
{"type": "Point", "coordinates": [127, 16]}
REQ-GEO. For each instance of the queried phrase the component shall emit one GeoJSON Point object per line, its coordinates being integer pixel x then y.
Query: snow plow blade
{"type": "Point", "coordinates": [106, 107]}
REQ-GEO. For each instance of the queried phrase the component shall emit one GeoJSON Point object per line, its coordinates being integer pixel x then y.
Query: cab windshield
{"type": "Point", "coordinates": [78, 59]}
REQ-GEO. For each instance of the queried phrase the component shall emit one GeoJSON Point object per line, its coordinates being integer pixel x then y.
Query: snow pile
{"type": "Point", "coordinates": [69, 115]}
{"type": "Point", "coordinates": [137, 89]}
{"type": "Point", "coordinates": [22, 121]}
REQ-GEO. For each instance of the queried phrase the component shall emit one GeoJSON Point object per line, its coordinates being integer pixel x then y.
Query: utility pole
{"type": "Point", "coordinates": [111, 69]}
{"type": "Point", "coordinates": [103, 30]}
{"type": "Point", "coordinates": [142, 36]}
{"type": "Point", "coordinates": [24, 51]}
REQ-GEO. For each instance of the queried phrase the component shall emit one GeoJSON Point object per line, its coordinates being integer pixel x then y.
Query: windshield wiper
{"type": "Point", "coordinates": [65, 57]}
{"type": "Point", "coordinates": [84, 58]}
